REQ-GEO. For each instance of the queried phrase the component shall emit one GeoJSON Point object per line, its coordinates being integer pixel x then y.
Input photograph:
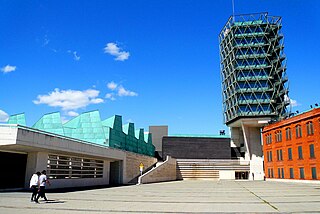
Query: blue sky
{"type": "Point", "coordinates": [153, 62]}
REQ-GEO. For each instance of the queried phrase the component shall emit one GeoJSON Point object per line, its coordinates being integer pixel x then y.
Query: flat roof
{"type": "Point", "coordinates": [199, 135]}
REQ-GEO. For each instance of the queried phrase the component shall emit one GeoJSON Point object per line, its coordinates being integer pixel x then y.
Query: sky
{"type": "Point", "coordinates": [153, 62]}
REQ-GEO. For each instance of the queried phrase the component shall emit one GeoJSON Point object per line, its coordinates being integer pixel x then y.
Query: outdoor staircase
{"type": "Point", "coordinates": [206, 169]}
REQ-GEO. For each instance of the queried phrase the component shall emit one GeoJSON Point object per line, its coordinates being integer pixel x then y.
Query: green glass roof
{"type": "Point", "coordinates": [17, 119]}
{"type": "Point", "coordinates": [88, 127]}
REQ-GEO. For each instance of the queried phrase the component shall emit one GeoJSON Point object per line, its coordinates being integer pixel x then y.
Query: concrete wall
{"type": "Point", "coordinates": [226, 174]}
{"type": "Point", "coordinates": [157, 133]}
{"type": "Point", "coordinates": [37, 145]}
{"type": "Point", "coordinates": [132, 163]}
{"type": "Point", "coordinates": [196, 148]}
{"type": "Point", "coordinates": [8, 135]}
{"type": "Point", "coordinates": [37, 161]}
{"type": "Point", "coordinates": [167, 171]}
{"type": "Point", "coordinates": [252, 139]}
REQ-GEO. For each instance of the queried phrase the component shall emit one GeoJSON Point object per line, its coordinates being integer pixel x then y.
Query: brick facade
{"type": "Point", "coordinates": [295, 155]}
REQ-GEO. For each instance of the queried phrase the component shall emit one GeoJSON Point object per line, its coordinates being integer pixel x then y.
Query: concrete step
{"type": "Point", "coordinates": [196, 170]}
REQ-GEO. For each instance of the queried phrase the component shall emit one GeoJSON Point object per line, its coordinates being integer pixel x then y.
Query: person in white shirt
{"type": "Point", "coordinates": [34, 184]}
{"type": "Point", "coordinates": [42, 185]}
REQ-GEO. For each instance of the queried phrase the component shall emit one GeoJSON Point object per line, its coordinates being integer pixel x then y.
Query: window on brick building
{"type": "Point", "coordinates": [298, 131]}
{"type": "Point", "coordinates": [279, 155]}
{"type": "Point", "coordinates": [278, 136]}
{"type": "Point", "coordinates": [311, 150]}
{"type": "Point", "coordinates": [269, 156]}
{"type": "Point", "coordinates": [291, 173]}
{"type": "Point", "coordinates": [310, 130]}
{"type": "Point", "coordinates": [300, 154]}
{"type": "Point", "coordinates": [314, 172]}
{"type": "Point", "coordinates": [271, 173]}
{"type": "Point", "coordinates": [268, 138]}
{"type": "Point", "coordinates": [289, 153]}
{"type": "Point", "coordinates": [301, 171]}
{"type": "Point", "coordinates": [288, 133]}
{"type": "Point", "coordinates": [280, 173]}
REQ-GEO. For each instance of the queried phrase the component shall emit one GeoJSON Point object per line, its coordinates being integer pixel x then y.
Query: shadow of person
{"type": "Point", "coordinates": [53, 202]}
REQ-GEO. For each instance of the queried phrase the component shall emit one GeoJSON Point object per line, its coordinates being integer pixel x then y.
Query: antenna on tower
{"type": "Point", "coordinates": [233, 10]}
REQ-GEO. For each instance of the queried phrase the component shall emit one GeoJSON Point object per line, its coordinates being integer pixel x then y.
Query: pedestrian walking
{"type": "Point", "coordinates": [42, 186]}
{"type": "Point", "coordinates": [34, 185]}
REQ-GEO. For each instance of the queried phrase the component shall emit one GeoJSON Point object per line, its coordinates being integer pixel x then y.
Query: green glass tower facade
{"type": "Point", "coordinates": [253, 68]}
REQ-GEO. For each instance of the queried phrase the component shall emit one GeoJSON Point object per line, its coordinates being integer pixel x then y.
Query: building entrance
{"type": "Point", "coordinates": [241, 175]}
{"type": "Point", "coordinates": [115, 173]}
{"type": "Point", "coordinates": [13, 169]}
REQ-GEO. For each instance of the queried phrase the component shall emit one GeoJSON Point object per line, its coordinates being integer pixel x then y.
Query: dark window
{"type": "Point", "coordinates": [269, 156]}
{"type": "Point", "coordinates": [300, 152]}
{"type": "Point", "coordinates": [298, 131]}
{"type": "Point", "coordinates": [278, 136]}
{"type": "Point", "coordinates": [268, 138]}
{"type": "Point", "coordinates": [291, 173]}
{"type": "Point", "coordinates": [314, 172]}
{"type": "Point", "coordinates": [288, 134]}
{"type": "Point", "coordinates": [301, 170]}
{"type": "Point", "coordinates": [311, 148]}
{"type": "Point", "coordinates": [279, 155]}
{"type": "Point", "coordinates": [282, 173]}
{"type": "Point", "coordinates": [310, 130]}
{"type": "Point", "coordinates": [289, 153]}
{"type": "Point", "coordinates": [272, 173]}
{"type": "Point", "coordinates": [279, 175]}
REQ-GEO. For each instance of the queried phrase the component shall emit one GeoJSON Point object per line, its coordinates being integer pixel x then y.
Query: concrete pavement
{"type": "Point", "coordinates": [176, 197]}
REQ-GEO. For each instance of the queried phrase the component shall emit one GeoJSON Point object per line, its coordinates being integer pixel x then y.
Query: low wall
{"type": "Point", "coordinates": [226, 175]}
{"type": "Point", "coordinates": [167, 171]}
{"type": "Point", "coordinates": [132, 163]}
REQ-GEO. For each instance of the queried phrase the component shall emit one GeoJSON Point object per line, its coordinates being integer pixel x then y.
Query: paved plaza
{"type": "Point", "coordinates": [175, 197]}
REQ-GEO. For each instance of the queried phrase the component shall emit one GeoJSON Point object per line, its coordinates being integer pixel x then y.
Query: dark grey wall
{"type": "Point", "coordinates": [196, 147]}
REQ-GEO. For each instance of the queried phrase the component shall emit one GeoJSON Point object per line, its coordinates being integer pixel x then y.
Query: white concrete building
{"type": "Point", "coordinates": [69, 162]}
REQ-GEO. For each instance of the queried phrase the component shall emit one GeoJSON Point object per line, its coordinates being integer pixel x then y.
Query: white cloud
{"type": "Point", "coordinates": [113, 49]}
{"type": "Point", "coordinates": [292, 102]}
{"type": "Point", "coordinates": [69, 99]}
{"type": "Point", "coordinates": [122, 92]}
{"type": "Point", "coordinates": [8, 68]}
{"type": "Point", "coordinates": [76, 57]}
{"type": "Point", "coordinates": [3, 116]}
{"type": "Point", "coordinates": [112, 85]}
{"type": "Point", "coordinates": [96, 101]}
{"type": "Point", "coordinates": [72, 114]}
{"type": "Point", "coordinates": [45, 41]}
{"type": "Point", "coordinates": [110, 96]}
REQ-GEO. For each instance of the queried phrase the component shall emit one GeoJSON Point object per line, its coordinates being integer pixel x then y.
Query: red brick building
{"type": "Point", "coordinates": [292, 147]}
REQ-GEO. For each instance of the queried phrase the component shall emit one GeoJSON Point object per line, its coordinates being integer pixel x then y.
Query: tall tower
{"type": "Point", "coordinates": [254, 81]}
